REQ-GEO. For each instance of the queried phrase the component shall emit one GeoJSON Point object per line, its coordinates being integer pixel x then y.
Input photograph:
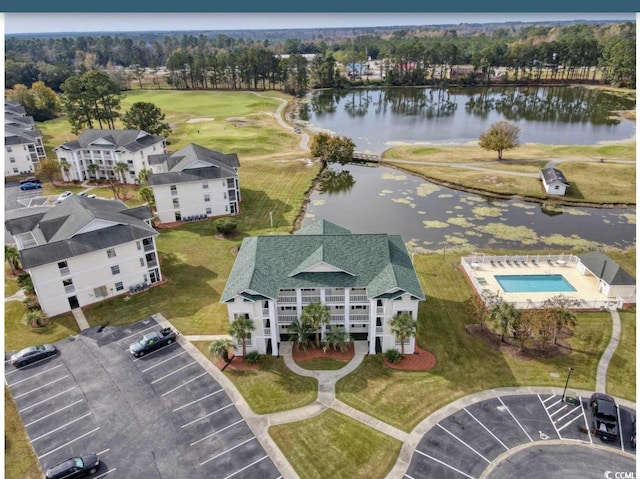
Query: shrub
{"type": "Point", "coordinates": [252, 357]}
{"type": "Point", "coordinates": [220, 348]}
{"type": "Point", "coordinates": [32, 303]}
{"type": "Point", "coordinates": [225, 226]}
{"type": "Point", "coordinates": [34, 319]}
{"type": "Point", "coordinates": [393, 355]}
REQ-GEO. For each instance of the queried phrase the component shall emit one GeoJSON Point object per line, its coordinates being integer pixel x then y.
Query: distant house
{"type": "Point", "coordinates": [614, 282]}
{"type": "Point", "coordinates": [554, 181]}
{"type": "Point", "coordinates": [364, 280]}
{"type": "Point", "coordinates": [106, 148]}
{"type": "Point", "coordinates": [461, 72]}
{"type": "Point", "coordinates": [85, 250]}
{"type": "Point", "coordinates": [23, 144]}
{"type": "Point", "coordinates": [194, 182]}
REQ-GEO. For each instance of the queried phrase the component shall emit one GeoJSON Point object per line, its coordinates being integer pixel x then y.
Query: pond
{"type": "Point", "coordinates": [376, 119]}
{"type": "Point", "coordinates": [429, 217]}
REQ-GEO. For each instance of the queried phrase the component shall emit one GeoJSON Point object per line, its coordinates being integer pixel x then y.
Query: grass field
{"type": "Point", "coordinates": [334, 445]}
{"type": "Point", "coordinates": [621, 375]}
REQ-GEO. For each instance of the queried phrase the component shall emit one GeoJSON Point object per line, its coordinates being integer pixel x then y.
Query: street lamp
{"type": "Point", "coordinates": [271, 217]}
{"type": "Point", "coordinates": [566, 383]}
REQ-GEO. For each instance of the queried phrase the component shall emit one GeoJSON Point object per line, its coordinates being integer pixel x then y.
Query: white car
{"type": "Point", "coordinates": [63, 196]}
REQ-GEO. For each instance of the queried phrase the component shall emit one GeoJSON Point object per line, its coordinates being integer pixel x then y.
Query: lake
{"type": "Point", "coordinates": [376, 119]}
{"type": "Point", "coordinates": [430, 217]}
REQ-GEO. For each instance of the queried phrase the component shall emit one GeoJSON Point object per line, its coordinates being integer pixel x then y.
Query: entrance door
{"type": "Point", "coordinates": [73, 302]}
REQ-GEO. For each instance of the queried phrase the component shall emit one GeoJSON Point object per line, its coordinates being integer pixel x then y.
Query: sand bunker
{"type": "Point", "coordinates": [198, 120]}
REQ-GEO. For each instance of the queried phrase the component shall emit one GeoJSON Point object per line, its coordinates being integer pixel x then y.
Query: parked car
{"type": "Point", "coordinates": [32, 354]}
{"type": "Point", "coordinates": [632, 439]}
{"type": "Point", "coordinates": [63, 196]}
{"type": "Point", "coordinates": [83, 193]}
{"type": "Point", "coordinates": [152, 341]}
{"type": "Point", "coordinates": [604, 416]}
{"type": "Point", "coordinates": [74, 467]}
{"type": "Point", "coordinates": [30, 186]}
{"type": "Point", "coordinates": [30, 179]}
{"type": "Point", "coordinates": [92, 196]}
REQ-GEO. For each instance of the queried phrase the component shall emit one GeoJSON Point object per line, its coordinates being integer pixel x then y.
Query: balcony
{"type": "Point", "coordinates": [64, 271]}
{"type": "Point", "coordinates": [69, 288]}
{"type": "Point", "coordinates": [152, 264]}
{"type": "Point", "coordinates": [358, 298]}
{"type": "Point", "coordinates": [310, 298]}
{"type": "Point", "coordinates": [265, 312]}
{"type": "Point", "coordinates": [380, 310]}
{"type": "Point", "coordinates": [358, 318]}
{"type": "Point", "coordinates": [266, 332]}
{"type": "Point", "coordinates": [335, 298]}
{"type": "Point", "coordinates": [286, 299]}
{"type": "Point", "coordinates": [286, 318]}
{"type": "Point", "coordinates": [336, 318]}
{"type": "Point", "coordinates": [379, 330]}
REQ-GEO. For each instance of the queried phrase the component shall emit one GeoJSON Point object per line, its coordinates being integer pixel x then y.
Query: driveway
{"type": "Point", "coordinates": [161, 415]}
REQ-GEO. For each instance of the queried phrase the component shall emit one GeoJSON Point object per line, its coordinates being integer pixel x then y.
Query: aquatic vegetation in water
{"type": "Point", "coordinates": [458, 207]}
{"type": "Point", "coordinates": [524, 235]}
{"type": "Point", "coordinates": [445, 195]}
{"type": "Point", "coordinates": [470, 200]}
{"type": "Point", "coordinates": [455, 240]}
{"type": "Point", "coordinates": [420, 212]}
{"type": "Point", "coordinates": [461, 222]}
{"type": "Point", "coordinates": [487, 212]}
{"type": "Point", "coordinates": [575, 212]}
{"type": "Point", "coordinates": [435, 224]}
{"type": "Point", "coordinates": [572, 241]}
{"type": "Point", "coordinates": [526, 206]}
{"type": "Point", "coordinates": [425, 189]}
{"type": "Point", "coordinates": [404, 201]}
{"type": "Point", "coordinates": [385, 192]}
{"type": "Point", "coordinates": [319, 202]}
{"type": "Point", "coordinates": [630, 217]}
{"type": "Point", "coordinates": [394, 177]}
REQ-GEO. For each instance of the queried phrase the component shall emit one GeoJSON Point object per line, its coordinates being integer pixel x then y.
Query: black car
{"type": "Point", "coordinates": [30, 179]}
{"type": "Point", "coordinates": [604, 416]}
{"type": "Point", "coordinates": [32, 354]}
{"type": "Point", "coordinates": [632, 439]}
{"type": "Point", "coordinates": [74, 467]}
{"type": "Point", "coordinates": [152, 341]}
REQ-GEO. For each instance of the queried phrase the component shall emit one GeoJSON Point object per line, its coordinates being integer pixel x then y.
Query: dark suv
{"type": "Point", "coordinates": [604, 416]}
{"type": "Point", "coordinates": [30, 179]}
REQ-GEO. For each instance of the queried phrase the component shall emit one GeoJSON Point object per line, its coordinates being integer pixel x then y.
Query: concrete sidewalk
{"type": "Point", "coordinates": [603, 365]}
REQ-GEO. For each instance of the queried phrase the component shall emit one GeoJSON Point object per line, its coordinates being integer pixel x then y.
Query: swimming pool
{"type": "Point", "coordinates": [534, 283]}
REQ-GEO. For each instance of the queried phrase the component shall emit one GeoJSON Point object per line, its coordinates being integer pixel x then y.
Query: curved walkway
{"type": "Point", "coordinates": [603, 365]}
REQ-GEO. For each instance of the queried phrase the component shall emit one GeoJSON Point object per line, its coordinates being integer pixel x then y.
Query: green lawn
{"type": "Point", "coordinates": [20, 461]}
{"type": "Point", "coordinates": [464, 363]}
{"type": "Point", "coordinates": [621, 375]}
{"type": "Point", "coordinates": [334, 445]}
{"type": "Point", "coordinates": [322, 364]}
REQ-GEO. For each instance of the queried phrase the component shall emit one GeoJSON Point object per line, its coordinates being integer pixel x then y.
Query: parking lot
{"type": "Point", "coordinates": [161, 415]}
{"type": "Point", "coordinates": [465, 443]}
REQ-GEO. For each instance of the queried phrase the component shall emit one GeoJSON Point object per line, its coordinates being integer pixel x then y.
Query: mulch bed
{"type": "Point", "coordinates": [314, 353]}
{"type": "Point", "coordinates": [237, 363]}
{"type": "Point", "coordinates": [421, 360]}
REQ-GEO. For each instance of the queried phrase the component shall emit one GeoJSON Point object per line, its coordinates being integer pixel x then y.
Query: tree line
{"type": "Point", "coordinates": [578, 52]}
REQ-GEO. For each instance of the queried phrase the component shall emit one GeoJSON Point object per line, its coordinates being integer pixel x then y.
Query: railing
{"type": "Point", "coordinates": [310, 298]}
{"type": "Point", "coordinates": [334, 298]}
{"type": "Point", "coordinates": [174, 192]}
{"type": "Point", "coordinates": [379, 330]}
{"type": "Point", "coordinates": [380, 310]}
{"type": "Point", "coordinates": [267, 332]}
{"type": "Point", "coordinates": [148, 247]}
{"type": "Point", "coordinates": [286, 318]}
{"type": "Point", "coordinates": [64, 271]}
{"type": "Point", "coordinates": [265, 312]}
{"type": "Point", "coordinates": [358, 318]}
{"type": "Point", "coordinates": [358, 298]}
{"type": "Point", "coordinates": [336, 318]}
{"type": "Point", "coordinates": [286, 299]}
{"type": "Point", "coordinates": [69, 288]}
{"type": "Point", "coordinates": [152, 264]}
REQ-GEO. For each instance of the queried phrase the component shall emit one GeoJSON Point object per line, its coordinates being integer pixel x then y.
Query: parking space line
{"type": "Point", "coordinates": [550, 406]}
{"type": "Point", "coordinates": [247, 467]}
{"type": "Point", "coordinates": [136, 334]}
{"type": "Point", "coordinates": [549, 398]}
{"type": "Point", "coordinates": [586, 421]}
{"type": "Point", "coordinates": [568, 414]}
{"type": "Point", "coordinates": [61, 427]}
{"type": "Point", "coordinates": [570, 422]}
{"type": "Point", "coordinates": [48, 399]}
{"type": "Point", "coordinates": [462, 442]}
{"type": "Point", "coordinates": [217, 432]}
{"type": "Point", "coordinates": [620, 429]}
{"type": "Point", "coordinates": [103, 452]}
{"type": "Point", "coordinates": [486, 429]}
{"type": "Point", "coordinates": [154, 352]}
{"type": "Point", "coordinates": [104, 473]}
{"type": "Point", "coordinates": [36, 374]}
{"type": "Point", "coordinates": [44, 385]}
{"type": "Point", "coordinates": [173, 372]}
{"type": "Point", "coordinates": [206, 415]}
{"type": "Point", "coordinates": [70, 442]}
{"type": "Point", "coordinates": [228, 450]}
{"type": "Point", "coordinates": [193, 402]}
{"type": "Point", "coordinates": [514, 418]}
{"type": "Point", "coordinates": [550, 418]}
{"type": "Point", "coordinates": [410, 477]}
{"type": "Point", "coordinates": [184, 384]}
{"type": "Point", "coordinates": [54, 412]}
{"type": "Point", "coordinates": [444, 464]}
{"type": "Point", "coordinates": [164, 361]}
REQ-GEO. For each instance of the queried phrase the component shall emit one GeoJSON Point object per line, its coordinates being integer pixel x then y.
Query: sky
{"type": "Point", "coordinates": [97, 22]}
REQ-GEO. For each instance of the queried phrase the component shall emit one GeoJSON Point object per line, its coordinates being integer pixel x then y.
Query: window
{"type": "Point", "coordinates": [208, 211]}
{"type": "Point", "coordinates": [138, 245]}
{"type": "Point", "coordinates": [141, 261]}
{"type": "Point", "coordinates": [205, 185]}
{"type": "Point", "coordinates": [9, 149]}
{"type": "Point", "coordinates": [111, 252]}
{"type": "Point", "coordinates": [173, 189]}
{"type": "Point", "coordinates": [207, 197]}
{"type": "Point", "coordinates": [176, 203]}
{"type": "Point", "coordinates": [15, 170]}
{"type": "Point", "coordinates": [12, 159]}
{"type": "Point", "coordinates": [115, 269]}
{"type": "Point", "coordinates": [68, 285]}
{"type": "Point", "coordinates": [119, 286]}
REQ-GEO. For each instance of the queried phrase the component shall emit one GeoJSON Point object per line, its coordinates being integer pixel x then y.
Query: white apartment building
{"type": "Point", "coordinates": [194, 183]}
{"type": "Point", "coordinates": [106, 148]}
{"type": "Point", "coordinates": [22, 141]}
{"type": "Point", "coordinates": [364, 279]}
{"type": "Point", "coordinates": [85, 250]}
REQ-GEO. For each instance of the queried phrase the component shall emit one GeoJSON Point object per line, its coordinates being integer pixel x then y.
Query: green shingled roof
{"type": "Point", "coordinates": [324, 255]}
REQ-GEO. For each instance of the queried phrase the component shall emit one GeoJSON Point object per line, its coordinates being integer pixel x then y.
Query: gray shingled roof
{"type": "Point", "coordinates": [606, 269]}
{"type": "Point", "coordinates": [552, 175]}
{"type": "Point", "coordinates": [59, 235]}
{"type": "Point", "coordinates": [188, 164]}
{"type": "Point", "coordinates": [378, 262]}
{"type": "Point", "coordinates": [130, 140]}
{"type": "Point", "coordinates": [17, 136]}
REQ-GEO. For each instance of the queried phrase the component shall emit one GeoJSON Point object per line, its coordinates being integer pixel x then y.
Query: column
{"type": "Point", "coordinates": [275, 331]}
{"type": "Point", "coordinates": [372, 326]}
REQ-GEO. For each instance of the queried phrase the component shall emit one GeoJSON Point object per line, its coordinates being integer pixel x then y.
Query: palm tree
{"type": "Point", "coordinates": [403, 326]}
{"type": "Point", "coordinates": [300, 334]}
{"type": "Point", "coordinates": [12, 256]}
{"type": "Point", "coordinates": [92, 168]}
{"type": "Point", "coordinates": [315, 315]}
{"type": "Point", "coordinates": [563, 317]}
{"type": "Point", "coordinates": [220, 348]}
{"type": "Point", "coordinates": [146, 194]}
{"type": "Point", "coordinates": [120, 168]}
{"type": "Point", "coordinates": [143, 176]}
{"type": "Point", "coordinates": [337, 338]}
{"type": "Point", "coordinates": [64, 164]}
{"type": "Point", "coordinates": [240, 329]}
{"type": "Point", "coordinates": [503, 315]}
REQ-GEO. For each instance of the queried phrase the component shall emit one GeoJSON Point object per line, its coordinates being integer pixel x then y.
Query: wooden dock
{"type": "Point", "coordinates": [359, 157]}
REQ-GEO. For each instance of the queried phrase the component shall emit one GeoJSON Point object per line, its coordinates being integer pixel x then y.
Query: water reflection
{"type": "Point", "coordinates": [552, 115]}
{"type": "Point", "coordinates": [430, 217]}
{"type": "Point", "coordinates": [332, 181]}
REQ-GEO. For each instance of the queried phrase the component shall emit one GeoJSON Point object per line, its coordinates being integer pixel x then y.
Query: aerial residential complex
{"type": "Point", "coordinates": [194, 183]}
{"type": "Point", "coordinates": [22, 141]}
{"type": "Point", "coordinates": [105, 149]}
{"type": "Point", "coordinates": [85, 250]}
{"type": "Point", "coordinates": [364, 279]}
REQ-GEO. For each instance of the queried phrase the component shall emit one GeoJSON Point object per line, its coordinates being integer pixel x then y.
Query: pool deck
{"type": "Point", "coordinates": [586, 296]}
